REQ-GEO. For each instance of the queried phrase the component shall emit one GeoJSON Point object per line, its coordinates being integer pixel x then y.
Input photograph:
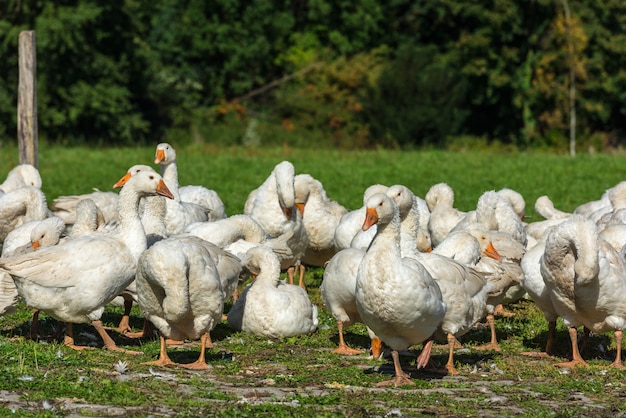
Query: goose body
{"type": "Point", "coordinates": [586, 281]}
{"type": "Point", "coordinates": [320, 217]}
{"type": "Point", "coordinates": [180, 292]}
{"type": "Point", "coordinates": [269, 307]}
{"type": "Point", "coordinates": [396, 297]}
{"type": "Point", "coordinates": [75, 289]}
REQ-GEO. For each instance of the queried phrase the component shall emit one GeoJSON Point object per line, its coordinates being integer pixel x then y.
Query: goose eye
{"type": "Point", "coordinates": [151, 177]}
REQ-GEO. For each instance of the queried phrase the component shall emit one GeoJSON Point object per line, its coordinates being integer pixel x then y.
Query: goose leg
{"type": "Point", "coordinates": [199, 364]}
{"type": "Point", "coordinates": [401, 378]}
{"type": "Point", "coordinates": [124, 325]}
{"type": "Point", "coordinates": [577, 360]}
{"type": "Point", "coordinates": [109, 344]}
{"type": "Point", "coordinates": [34, 325]}
{"type": "Point", "coordinates": [164, 359]}
{"type": "Point", "coordinates": [147, 332]}
{"type": "Point", "coordinates": [618, 355]}
{"type": "Point", "coordinates": [343, 347]}
{"type": "Point", "coordinates": [450, 364]}
{"type": "Point", "coordinates": [68, 340]}
{"type": "Point", "coordinates": [493, 345]}
{"type": "Point", "coordinates": [301, 281]}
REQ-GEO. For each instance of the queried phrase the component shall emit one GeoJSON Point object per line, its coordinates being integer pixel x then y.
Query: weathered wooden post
{"type": "Point", "coordinates": [27, 100]}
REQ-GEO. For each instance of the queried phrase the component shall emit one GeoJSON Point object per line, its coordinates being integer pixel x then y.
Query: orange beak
{"type": "Point", "coordinates": [36, 245]}
{"type": "Point", "coordinates": [163, 190]}
{"type": "Point", "coordinates": [300, 207]}
{"type": "Point", "coordinates": [371, 217]}
{"type": "Point", "coordinates": [491, 252]}
{"type": "Point", "coordinates": [121, 182]}
{"type": "Point", "coordinates": [159, 156]}
{"type": "Point", "coordinates": [429, 250]}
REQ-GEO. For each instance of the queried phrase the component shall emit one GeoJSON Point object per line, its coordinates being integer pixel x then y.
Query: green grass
{"type": "Point", "coordinates": [299, 376]}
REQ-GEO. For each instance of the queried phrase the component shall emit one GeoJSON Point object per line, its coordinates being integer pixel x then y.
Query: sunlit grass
{"type": "Point", "coordinates": [299, 376]}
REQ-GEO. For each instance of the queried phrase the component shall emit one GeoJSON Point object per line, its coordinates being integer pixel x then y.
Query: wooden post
{"type": "Point", "coordinates": [27, 100]}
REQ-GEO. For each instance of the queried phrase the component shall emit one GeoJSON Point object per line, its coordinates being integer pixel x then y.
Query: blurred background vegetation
{"type": "Point", "coordinates": [447, 74]}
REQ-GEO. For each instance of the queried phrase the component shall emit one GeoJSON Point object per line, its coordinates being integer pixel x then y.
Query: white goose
{"type": "Point", "coordinates": [41, 233]}
{"type": "Point", "coordinates": [349, 233]}
{"type": "Point", "coordinates": [533, 283]}
{"type": "Point", "coordinates": [21, 205]}
{"type": "Point", "coordinates": [76, 290]}
{"type": "Point", "coordinates": [443, 215]}
{"type": "Point", "coordinates": [464, 290]}
{"type": "Point", "coordinates": [269, 307]}
{"type": "Point", "coordinates": [396, 297]}
{"type": "Point", "coordinates": [21, 176]}
{"type": "Point", "coordinates": [179, 212]}
{"type": "Point", "coordinates": [274, 208]}
{"type": "Point", "coordinates": [586, 280]}
{"type": "Point", "coordinates": [207, 199]}
{"type": "Point", "coordinates": [179, 291]}
{"type": "Point", "coordinates": [320, 216]}
{"type": "Point", "coordinates": [338, 293]}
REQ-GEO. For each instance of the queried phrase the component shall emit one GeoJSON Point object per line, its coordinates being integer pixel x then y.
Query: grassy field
{"type": "Point", "coordinates": [299, 376]}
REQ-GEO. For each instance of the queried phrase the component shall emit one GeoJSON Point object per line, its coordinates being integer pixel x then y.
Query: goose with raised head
{"type": "Point", "coordinates": [464, 290]}
{"type": "Point", "coordinates": [586, 280]}
{"type": "Point", "coordinates": [76, 289]}
{"type": "Point", "coordinates": [443, 215]}
{"type": "Point", "coordinates": [178, 212]}
{"type": "Point", "coordinates": [269, 307]}
{"type": "Point", "coordinates": [320, 216]}
{"type": "Point", "coordinates": [349, 232]}
{"type": "Point", "coordinates": [396, 296]}
{"type": "Point", "coordinates": [179, 291]}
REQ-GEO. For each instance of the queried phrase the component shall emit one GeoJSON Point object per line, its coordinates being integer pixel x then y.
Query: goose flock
{"type": "Point", "coordinates": [413, 270]}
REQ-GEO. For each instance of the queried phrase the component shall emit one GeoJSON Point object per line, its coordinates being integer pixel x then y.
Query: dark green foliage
{"type": "Point", "coordinates": [352, 74]}
{"type": "Point", "coordinates": [418, 99]}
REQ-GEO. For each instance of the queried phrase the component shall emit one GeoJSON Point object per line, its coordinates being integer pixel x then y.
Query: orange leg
{"type": "Point", "coordinates": [401, 378]}
{"type": "Point", "coordinates": [164, 359]}
{"type": "Point", "coordinates": [577, 360]}
{"type": "Point", "coordinates": [343, 347]}
{"type": "Point", "coordinates": [109, 344]}
{"type": "Point", "coordinates": [450, 365]}
{"type": "Point", "coordinates": [618, 355]}
{"type": "Point", "coordinates": [68, 340]}
{"type": "Point", "coordinates": [301, 282]}
{"type": "Point", "coordinates": [147, 332]}
{"type": "Point", "coordinates": [493, 345]}
{"type": "Point", "coordinates": [124, 325]}
{"type": "Point", "coordinates": [200, 364]}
